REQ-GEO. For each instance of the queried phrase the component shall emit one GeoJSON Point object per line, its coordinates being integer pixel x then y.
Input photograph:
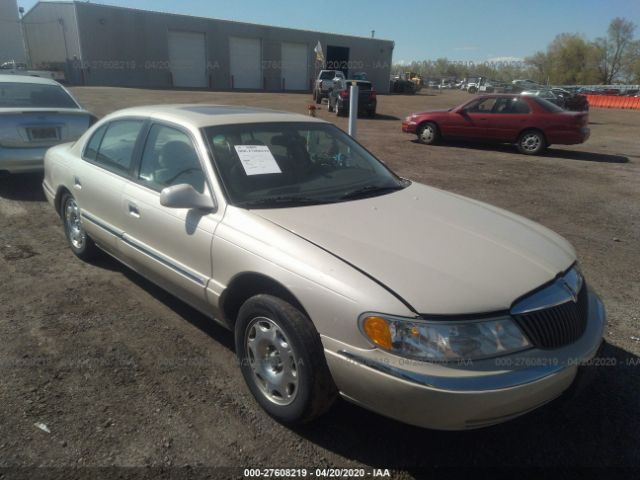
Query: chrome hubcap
{"type": "Point", "coordinates": [73, 224]}
{"type": "Point", "coordinates": [427, 134]}
{"type": "Point", "coordinates": [531, 142]}
{"type": "Point", "coordinates": [272, 360]}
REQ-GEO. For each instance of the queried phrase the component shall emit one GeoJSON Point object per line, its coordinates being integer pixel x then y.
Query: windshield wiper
{"type": "Point", "coordinates": [281, 200]}
{"type": "Point", "coordinates": [370, 190]}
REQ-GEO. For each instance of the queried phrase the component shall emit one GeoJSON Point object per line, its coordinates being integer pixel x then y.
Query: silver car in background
{"type": "Point", "coordinates": [35, 114]}
{"type": "Point", "coordinates": [336, 275]}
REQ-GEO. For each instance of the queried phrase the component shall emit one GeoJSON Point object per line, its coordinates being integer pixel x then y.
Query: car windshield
{"type": "Point", "coordinates": [271, 165]}
{"type": "Point", "coordinates": [547, 105]}
{"type": "Point", "coordinates": [34, 95]}
{"type": "Point", "coordinates": [327, 75]}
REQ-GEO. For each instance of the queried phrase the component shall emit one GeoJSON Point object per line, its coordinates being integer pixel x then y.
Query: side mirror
{"type": "Point", "coordinates": [185, 196]}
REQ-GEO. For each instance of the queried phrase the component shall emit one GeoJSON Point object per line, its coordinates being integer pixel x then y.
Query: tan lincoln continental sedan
{"type": "Point", "coordinates": [336, 275]}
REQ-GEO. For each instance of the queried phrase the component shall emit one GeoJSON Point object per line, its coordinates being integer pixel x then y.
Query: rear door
{"type": "Point", "coordinates": [98, 181]}
{"type": "Point", "coordinates": [510, 116]}
{"type": "Point", "coordinates": [171, 246]}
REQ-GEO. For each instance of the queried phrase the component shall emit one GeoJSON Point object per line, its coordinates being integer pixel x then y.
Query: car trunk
{"type": "Point", "coordinates": [41, 127]}
{"type": "Point", "coordinates": [364, 91]}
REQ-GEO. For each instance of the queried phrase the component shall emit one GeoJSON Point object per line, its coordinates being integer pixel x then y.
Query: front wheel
{"type": "Point", "coordinates": [282, 360]}
{"type": "Point", "coordinates": [81, 244]}
{"type": "Point", "coordinates": [428, 133]}
{"type": "Point", "coordinates": [531, 142]}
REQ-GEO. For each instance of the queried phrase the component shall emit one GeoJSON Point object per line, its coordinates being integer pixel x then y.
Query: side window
{"type": "Point", "coordinates": [170, 159]}
{"type": "Point", "coordinates": [119, 141]}
{"type": "Point", "coordinates": [520, 106]}
{"type": "Point", "coordinates": [503, 105]}
{"type": "Point", "coordinates": [482, 106]}
{"type": "Point", "coordinates": [91, 149]}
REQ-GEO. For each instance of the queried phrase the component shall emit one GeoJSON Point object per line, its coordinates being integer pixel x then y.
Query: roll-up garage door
{"type": "Point", "coordinates": [187, 56]}
{"type": "Point", "coordinates": [245, 56]}
{"type": "Point", "coordinates": [295, 70]}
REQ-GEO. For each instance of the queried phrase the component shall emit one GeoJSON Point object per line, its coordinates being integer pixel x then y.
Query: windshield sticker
{"type": "Point", "coordinates": [257, 159]}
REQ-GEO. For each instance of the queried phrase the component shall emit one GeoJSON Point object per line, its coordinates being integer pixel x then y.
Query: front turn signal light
{"type": "Point", "coordinates": [377, 329]}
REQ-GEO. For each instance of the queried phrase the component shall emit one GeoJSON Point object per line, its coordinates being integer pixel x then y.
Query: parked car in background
{"type": "Point", "coordinates": [526, 84]}
{"type": "Point", "coordinates": [339, 98]}
{"type": "Point", "coordinates": [325, 82]}
{"type": "Point", "coordinates": [18, 68]}
{"type": "Point", "coordinates": [528, 121]}
{"type": "Point", "coordinates": [360, 76]}
{"type": "Point", "coordinates": [335, 275]}
{"type": "Point", "coordinates": [401, 84]}
{"type": "Point", "coordinates": [547, 94]}
{"type": "Point", "coordinates": [571, 100]}
{"type": "Point", "coordinates": [35, 114]}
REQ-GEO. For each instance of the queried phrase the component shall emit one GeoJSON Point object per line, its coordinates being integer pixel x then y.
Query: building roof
{"type": "Point", "coordinates": [200, 115]}
{"type": "Point", "coordinates": [115, 7]}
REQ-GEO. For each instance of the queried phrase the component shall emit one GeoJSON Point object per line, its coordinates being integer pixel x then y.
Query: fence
{"type": "Point", "coordinates": [614, 101]}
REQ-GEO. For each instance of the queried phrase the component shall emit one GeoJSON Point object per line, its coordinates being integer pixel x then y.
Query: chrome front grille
{"type": "Point", "coordinates": [556, 326]}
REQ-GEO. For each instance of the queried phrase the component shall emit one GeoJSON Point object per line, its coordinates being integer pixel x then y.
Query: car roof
{"type": "Point", "coordinates": [200, 115]}
{"type": "Point", "coordinates": [14, 78]}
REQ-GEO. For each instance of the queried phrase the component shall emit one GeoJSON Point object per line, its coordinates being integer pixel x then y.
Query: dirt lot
{"type": "Point", "coordinates": [125, 375]}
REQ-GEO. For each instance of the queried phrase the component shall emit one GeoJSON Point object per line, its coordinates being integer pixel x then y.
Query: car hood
{"type": "Point", "coordinates": [442, 253]}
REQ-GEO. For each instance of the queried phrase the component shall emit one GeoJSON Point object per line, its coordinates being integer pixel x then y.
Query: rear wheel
{"type": "Point", "coordinates": [81, 244]}
{"type": "Point", "coordinates": [317, 97]}
{"type": "Point", "coordinates": [282, 360]}
{"type": "Point", "coordinates": [428, 133]}
{"type": "Point", "coordinates": [531, 142]}
{"type": "Point", "coordinates": [339, 109]}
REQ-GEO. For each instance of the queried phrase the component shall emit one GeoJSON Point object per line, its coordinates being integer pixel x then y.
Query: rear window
{"type": "Point", "coordinates": [33, 95]}
{"type": "Point", "coordinates": [547, 105]}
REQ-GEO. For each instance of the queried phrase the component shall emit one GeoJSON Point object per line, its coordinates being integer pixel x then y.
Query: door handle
{"type": "Point", "coordinates": [77, 184]}
{"type": "Point", "coordinates": [133, 211]}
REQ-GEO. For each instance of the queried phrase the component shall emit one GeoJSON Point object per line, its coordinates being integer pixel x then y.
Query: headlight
{"type": "Point", "coordinates": [443, 341]}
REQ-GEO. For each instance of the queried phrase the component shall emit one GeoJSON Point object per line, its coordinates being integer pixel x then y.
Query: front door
{"type": "Point", "coordinates": [171, 246]}
{"type": "Point", "coordinates": [476, 120]}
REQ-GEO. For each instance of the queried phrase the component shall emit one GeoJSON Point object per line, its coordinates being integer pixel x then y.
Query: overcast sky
{"type": "Point", "coordinates": [475, 30]}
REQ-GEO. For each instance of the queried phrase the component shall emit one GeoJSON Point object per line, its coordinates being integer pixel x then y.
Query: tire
{"type": "Point", "coordinates": [317, 97]}
{"type": "Point", "coordinates": [531, 142]}
{"type": "Point", "coordinates": [372, 113]}
{"type": "Point", "coordinates": [79, 241]}
{"type": "Point", "coordinates": [428, 133]}
{"type": "Point", "coordinates": [298, 389]}
{"type": "Point", "coordinates": [473, 90]}
{"type": "Point", "coordinates": [339, 111]}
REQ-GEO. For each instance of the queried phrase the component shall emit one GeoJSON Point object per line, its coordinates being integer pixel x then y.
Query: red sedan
{"type": "Point", "coordinates": [531, 123]}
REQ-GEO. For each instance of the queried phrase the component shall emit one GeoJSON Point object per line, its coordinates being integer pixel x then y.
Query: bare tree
{"type": "Point", "coordinates": [612, 50]}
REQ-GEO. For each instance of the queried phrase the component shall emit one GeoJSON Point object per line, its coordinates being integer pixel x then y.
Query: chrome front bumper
{"type": "Point", "coordinates": [461, 396]}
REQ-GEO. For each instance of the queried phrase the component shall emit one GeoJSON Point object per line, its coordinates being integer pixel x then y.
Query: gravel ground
{"type": "Point", "coordinates": [124, 375]}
